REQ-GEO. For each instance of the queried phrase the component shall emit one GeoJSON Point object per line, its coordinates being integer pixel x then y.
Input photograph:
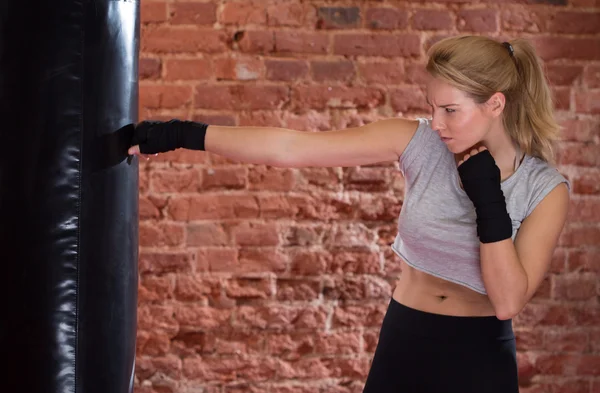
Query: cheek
{"type": "Point", "coordinates": [466, 125]}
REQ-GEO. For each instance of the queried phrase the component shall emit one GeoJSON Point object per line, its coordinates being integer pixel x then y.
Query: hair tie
{"type": "Point", "coordinates": [510, 49]}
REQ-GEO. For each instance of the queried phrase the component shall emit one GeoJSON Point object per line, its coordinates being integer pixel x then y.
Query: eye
{"type": "Point", "coordinates": [448, 110]}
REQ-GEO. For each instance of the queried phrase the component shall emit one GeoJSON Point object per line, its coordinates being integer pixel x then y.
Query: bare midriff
{"type": "Point", "coordinates": [422, 291]}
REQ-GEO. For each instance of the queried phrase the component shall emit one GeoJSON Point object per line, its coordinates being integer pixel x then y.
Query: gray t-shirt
{"type": "Point", "coordinates": [437, 233]}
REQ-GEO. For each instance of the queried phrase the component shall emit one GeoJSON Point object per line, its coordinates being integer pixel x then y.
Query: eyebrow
{"type": "Point", "coordinates": [441, 106]}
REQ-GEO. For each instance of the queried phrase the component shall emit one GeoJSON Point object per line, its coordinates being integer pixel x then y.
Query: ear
{"type": "Point", "coordinates": [495, 105]}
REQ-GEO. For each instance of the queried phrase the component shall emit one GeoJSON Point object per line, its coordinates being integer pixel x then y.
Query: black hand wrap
{"type": "Point", "coordinates": [481, 181]}
{"type": "Point", "coordinates": [159, 137]}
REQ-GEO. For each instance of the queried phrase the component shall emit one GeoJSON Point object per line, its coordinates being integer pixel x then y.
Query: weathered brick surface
{"type": "Point", "coordinates": [260, 279]}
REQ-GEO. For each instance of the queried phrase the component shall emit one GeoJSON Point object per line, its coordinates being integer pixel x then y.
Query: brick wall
{"type": "Point", "coordinates": [257, 279]}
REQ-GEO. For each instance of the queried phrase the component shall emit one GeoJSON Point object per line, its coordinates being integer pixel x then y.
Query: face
{"type": "Point", "coordinates": [460, 122]}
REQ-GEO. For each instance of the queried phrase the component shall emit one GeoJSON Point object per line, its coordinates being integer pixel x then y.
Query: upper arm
{"type": "Point", "coordinates": [538, 236]}
{"type": "Point", "coordinates": [379, 141]}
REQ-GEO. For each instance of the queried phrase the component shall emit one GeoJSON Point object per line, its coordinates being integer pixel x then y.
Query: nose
{"type": "Point", "coordinates": [437, 124]}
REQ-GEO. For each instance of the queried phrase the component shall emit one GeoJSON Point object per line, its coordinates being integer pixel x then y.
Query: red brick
{"type": "Point", "coordinates": [249, 288]}
{"type": "Point", "coordinates": [150, 207]}
{"type": "Point", "coordinates": [559, 258]}
{"type": "Point", "coordinates": [586, 182]}
{"type": "Point", "coordinates": [368, 315]}
{"type": "Point", "coordinates": [416, 74]}
{"type": "Point", "coordinates": [575, 153]}
{"type": "Point", "coordinates": [388, 73]}
{"type": "Point", "coordinates": [393, 45]}
{"type": "Point", "coordinates": [192, 13]}
{"type": "Point", "coordinates": [561, 97]}
{"type": "Point", "coordinates": [243, 13]}
{"type": "Point", "coordinates": [584, 209]}
{"type": "Point", "coordinates": [204, 207]}
{"type": "Point", "coordinates": [290, 14]}
{"type": "Point", "coordinates": [297, 290]}
{"type": "Point", "coordinates": [580, 236]}
{"type": "Point", "coordinates": [238, 68]}
{"type": "Point", "coordinates": [298, 42]}
{"type": "Point", "coordinates": [270, 178]}
{"type": "Point", "coordinates": [240, 97]}
{"type": "Point", "coordinates": [386, 18]}
{"type": "Point", "coordinates": [157, 344]}
{"type": "Point", "coordinates": [182, 156]}
{"type": "Point", "coordinates": [355, 368]}
{"type": "Point", "coordinates": [207, 234]}
{"type": "Point", "coordinates": [338, 17]}
{"type": "Point", "coordinates": [195, 317]}
{"type": "Point", "coordinates": [379, 208]}
{"type": "Point", "coordinates": [165, 39]}
{"type": "Point", "coordinates": [161, 234]}
{"type": "Point", "coordinates": [188, 69]}
{"type": "Point", "coordinates": [281, 318]}
{"type": "Point", "coordinates": [525, 20]}
{"type": "Point", "coordinates": [534, 314]}
{"type": "Point", "coordinates": [563, 75]}
{"type": "Point", "coordinates": [165, 96]}
{"type": "Point", "coordinates": [332, 70]}
{"type": "Point", "coordinates": [310, 263]}
{"type": "Point", "coordinates": [591, 76]}
{"type": "Point", "coordinates": [432, 20]}
{"type": "Point", "coordinates": [587, 102]}
{"type": "Point", "coordinates": [409, 99]}
{"type": "Point", "coordinates": [337, 343]}
{"type": "Point", "coordinates": [254, 234]}
{"type": "Point", "coordinates": [283, 206]}
{"type": "Point", "coordinates": [165, 262]}
{"type": "Point", "coordinates": [529, 338]}
{"type": "Point", "coordinates": [218, 260]}
{"type": "Point", "coordinates": [175, 180]}
{"type": "Point", "coordinates": [321, 97]}
{"type": "Point", "coordinates": [319, 178]}
{"type": "Point", "coordinates": [153, 12]}
{"type": "Point", "coordinates": [581, 130]}
{"type": "Point", "coordinates": [367, 179]}
{"type": "Point", "coordinates": [554, 48]}
{"type": "Point", "coordinates": [309, 120]}
{"type": "Point", "coordinates": [252, 260]}
{"type": "Point", "coordinates": [584, 261]}
{"type": "Point", "coordinates": [589, 365]}
{"type": "Point", "coordinates": [153, 288]}
{"type": "Point", "coordinates": [477, 20]}
{"type": "Point", "coordinates": [217, 120]}
{"type": "Point", "coordinates": [150, 68]}
{"type": "Point", "coordinates": [346, 262]}
{"type": "Point", "coordinates": [569, 341]}
{"type": "Point", "coordinates": [286, 70]}
{"type": "Point", "coordinates": [581, 286]}
{"type": "Point", "coordinates": [289, 346]}
{"type": "Point", "coordinates": [568, 22]}
{"type": "Point", "coordinates": [256, 41]}
{"type": "Point", "coordinates": [261, 119]}
{"type": "Point", "coordinates": [301, 235]}
{"type": "Point", "coordinates": [225, 178]}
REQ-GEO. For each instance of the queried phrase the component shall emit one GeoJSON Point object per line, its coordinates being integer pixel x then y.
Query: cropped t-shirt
{"type": "Point", "coordinates": [437, 232]}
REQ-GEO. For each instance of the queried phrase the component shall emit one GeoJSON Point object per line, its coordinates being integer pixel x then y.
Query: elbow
{"type": "Point", "coordinates": [508, 310]}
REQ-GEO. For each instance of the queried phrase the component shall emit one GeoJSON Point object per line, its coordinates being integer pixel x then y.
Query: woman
{"type": "Point", "coordinates": [482, 214]}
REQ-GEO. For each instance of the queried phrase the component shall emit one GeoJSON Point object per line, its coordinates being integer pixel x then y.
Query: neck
{"type": "Point", "coordinates": [501, 147]}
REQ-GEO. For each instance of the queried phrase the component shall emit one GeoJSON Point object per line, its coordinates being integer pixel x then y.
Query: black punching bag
{"type": "Point", "coordinates": [68, 195]}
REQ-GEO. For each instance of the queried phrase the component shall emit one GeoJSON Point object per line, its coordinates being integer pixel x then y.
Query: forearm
{"type": "Point", "coordinates": [504, 277]}
{"type": "Point", "coordinates": [254, 145]}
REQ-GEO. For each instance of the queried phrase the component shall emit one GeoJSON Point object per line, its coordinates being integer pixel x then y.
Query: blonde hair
{"type": "Point", "coordinates": [480, 67]}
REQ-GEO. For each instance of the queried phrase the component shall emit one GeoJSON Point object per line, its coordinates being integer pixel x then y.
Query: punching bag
{"type": "Point", "coordinates": [68, 195]}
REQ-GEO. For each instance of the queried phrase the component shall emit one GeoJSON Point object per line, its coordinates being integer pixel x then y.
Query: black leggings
{"type": "Point", "coordinates": [431, 353]}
